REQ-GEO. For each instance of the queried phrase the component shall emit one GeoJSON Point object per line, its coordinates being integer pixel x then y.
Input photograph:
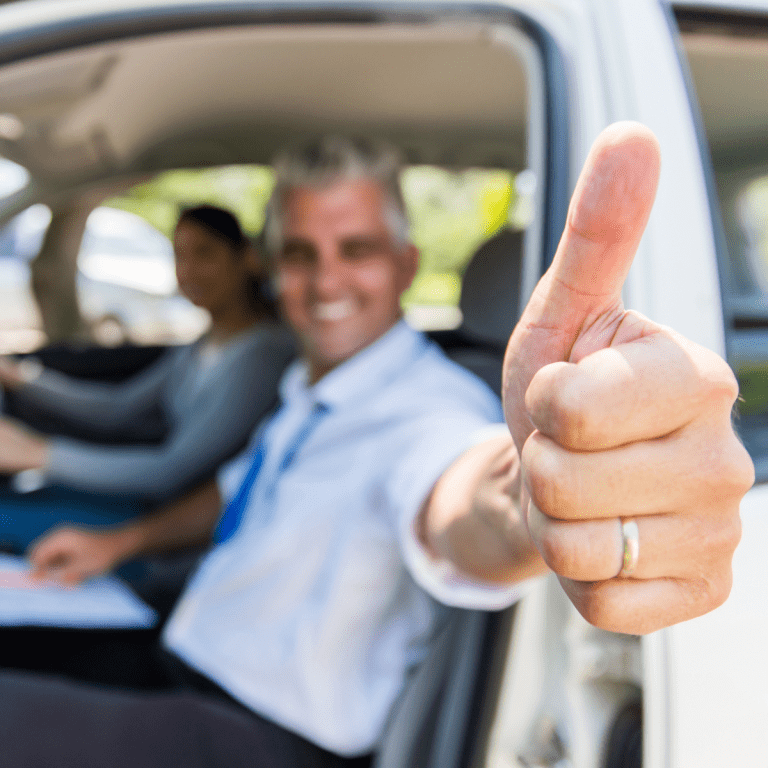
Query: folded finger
{"type": "Point", "coordinates": [669, 545]}
{"type": "Point", "coordinates": [634, 606]}
{"type": "Point", "coordinates": [640, 390]}
{"type": "Point", "coordinates": [698, 465]}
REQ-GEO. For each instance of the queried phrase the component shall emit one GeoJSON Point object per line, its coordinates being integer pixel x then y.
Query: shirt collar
{"type": "Point", "coordinates": [362, 374]}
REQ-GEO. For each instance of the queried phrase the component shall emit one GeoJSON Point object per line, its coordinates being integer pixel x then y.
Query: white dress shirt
{"type": "Point", "coordinates": [315, 609]}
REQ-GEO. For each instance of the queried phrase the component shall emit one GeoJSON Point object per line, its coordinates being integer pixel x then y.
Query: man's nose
{"type": "Point", "coordinates": [329, 273]}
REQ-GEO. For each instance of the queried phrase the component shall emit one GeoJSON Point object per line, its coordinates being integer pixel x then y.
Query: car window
{"type": "Point", "coordinates": [727, 54]}
{"type": "Point", "coordinates": [452, 212]}
{"type": "Point", "coordinates": [13, 177]}
{"type": "Point", "coordinates": [749, 258]}
{"type": "Point", "coordinates": [126, 282]}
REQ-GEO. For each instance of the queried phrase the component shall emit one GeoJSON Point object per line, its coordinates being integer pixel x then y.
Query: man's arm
{"type": "Point", "coordinates": [616, 419]}
{"type": "Point", "coordinates": [472, 517]}
{"type": "Point", "coordinates": [72, 554]}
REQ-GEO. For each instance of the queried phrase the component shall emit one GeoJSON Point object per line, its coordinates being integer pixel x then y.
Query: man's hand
{"type": "Point", "coordinates": [72, 555]}
{"type": "Point", "coordinates": [20, 448]}
{"type": "Point", "coordinates": [616, 417]}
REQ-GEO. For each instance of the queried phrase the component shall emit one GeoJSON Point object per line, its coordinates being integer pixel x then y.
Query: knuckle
{"type": "Point", "coordinates": [570, 418]}
{"type": "Point", "coordinates": [704, 594]}
{"type": "Point", "coordinates": [552, 549]}
{"type": "Point", "coordinates": [543, 474]}
{"type": "Point", "coordinates": [719, 382]}
{"type": "Point", "coordinates": [579, 420]}
{"type": "Point", "coordinates": [729, 535]}
{"type": "Point", "coordinates": [598, 606]}
{"type": "Point", "coordinates": [730, 472]}
{"type": "Point", "coordinates": [561, 404]}
{"type": "Point", "coordinates": [719, 590]}
{"type": "Point", "coordinates": [742, 466]}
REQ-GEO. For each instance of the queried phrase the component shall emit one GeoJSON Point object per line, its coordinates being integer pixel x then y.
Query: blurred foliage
{"type": "Point", "coordinates": [242, 189]}
{"type": "Point", "coordinates": [753, 388]}
{"type": "Point", "coordinates": [452, 213]}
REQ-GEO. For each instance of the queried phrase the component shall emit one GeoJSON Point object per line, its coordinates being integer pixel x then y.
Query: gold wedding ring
{"type": "Point", "coordinates": [630, 536]}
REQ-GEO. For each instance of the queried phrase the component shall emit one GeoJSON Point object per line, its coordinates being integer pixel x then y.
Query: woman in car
{"type": "Point", "coordinates": [210, 395]}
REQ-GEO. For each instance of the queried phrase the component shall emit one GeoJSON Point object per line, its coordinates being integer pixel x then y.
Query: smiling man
{"type": "Point", "coordinates": [383, 486]}
{"type": "Point", "coordinates": [341, 270]}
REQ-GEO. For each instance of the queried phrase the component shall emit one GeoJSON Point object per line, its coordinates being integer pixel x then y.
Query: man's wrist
{"type": "Point", "coordinates": [126, 543]}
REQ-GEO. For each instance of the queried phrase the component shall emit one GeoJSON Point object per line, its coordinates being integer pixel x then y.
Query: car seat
{"type": "Point", "coordinates": [490, 305]}
{"type": "Point", "coordinates": [439, 720]}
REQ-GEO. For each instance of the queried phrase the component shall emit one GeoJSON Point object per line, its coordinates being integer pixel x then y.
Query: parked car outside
{"type": "Point", "coordinates": [126, 282]}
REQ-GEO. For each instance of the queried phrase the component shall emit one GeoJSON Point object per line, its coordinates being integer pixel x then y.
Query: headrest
{"type": "Point", "coordinates": [490, 293]}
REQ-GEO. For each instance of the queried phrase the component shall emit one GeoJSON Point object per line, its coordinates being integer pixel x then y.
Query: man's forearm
{"type": "Point", "coordinates": [188, 521]}
{"type": "Point", "coordinates": [472, 516]}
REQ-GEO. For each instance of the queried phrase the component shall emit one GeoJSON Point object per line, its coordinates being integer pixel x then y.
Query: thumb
{"type": "Point", "coordinates": [579, 297]}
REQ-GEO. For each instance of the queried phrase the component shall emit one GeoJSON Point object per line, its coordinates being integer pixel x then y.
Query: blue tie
{"type": "Point", "coordinates": [233, 514]}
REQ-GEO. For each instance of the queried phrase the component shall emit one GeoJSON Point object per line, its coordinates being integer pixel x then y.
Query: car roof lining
{"type": "Point", "coordinates": [135, 105]}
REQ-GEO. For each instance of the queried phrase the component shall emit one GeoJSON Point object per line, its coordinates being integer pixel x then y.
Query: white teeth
{"type": "Point", "coordinates": [334, 310]}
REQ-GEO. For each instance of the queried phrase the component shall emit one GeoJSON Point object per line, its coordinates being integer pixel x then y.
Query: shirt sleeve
{"type": "Point", "coordinates": [447, 437]}
{"type": "Point", "coordinates": [100, 406]}
{"type": "Point", "coordinates": [216, 425]}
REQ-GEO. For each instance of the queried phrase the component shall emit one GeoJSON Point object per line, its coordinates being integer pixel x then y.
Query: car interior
{"type": "Point", "coordinates": [91, 106]}
{"type": "Point", "coordinates": [89, 115]}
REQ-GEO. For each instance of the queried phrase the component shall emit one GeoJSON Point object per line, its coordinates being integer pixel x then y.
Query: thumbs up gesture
{"type": "Point", "coordinates": [619, 420]}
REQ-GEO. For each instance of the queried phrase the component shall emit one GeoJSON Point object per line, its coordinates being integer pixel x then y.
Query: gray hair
{"type": "Point", "coordinates": [332, 159]}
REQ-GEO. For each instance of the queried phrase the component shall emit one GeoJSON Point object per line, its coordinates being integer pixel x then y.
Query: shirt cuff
{"type": "Point", "coordinates": [441, 578]}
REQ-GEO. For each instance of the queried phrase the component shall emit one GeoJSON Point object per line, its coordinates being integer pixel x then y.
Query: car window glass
{"type": "Point", "coordinates": [22, 237]}
{"type": "Point", "coordinates": [750, 261]}
{"type": "Point", "coordinates": [452, 213]}
{"type": "Point", "coordinates": [13, 177]}
{"type": "Point", "coordinates": [728, 59]}
{"type": "Point", "coordinates": [126, 282]}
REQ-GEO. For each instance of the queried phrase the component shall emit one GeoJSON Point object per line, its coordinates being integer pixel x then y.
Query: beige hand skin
{"type": "Point", "coordinates": [615, 416]}
{"type": "Point", "coordinates": [21, 448]}
{"type": "Point", "coordinates": [71, 554]}
{"type": "Point", "coordinates": [11, 375]}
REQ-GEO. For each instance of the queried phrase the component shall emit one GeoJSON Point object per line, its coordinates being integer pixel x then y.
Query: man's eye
{"type": "Point", "coordinates": [296, 255]}
{"type": "Point", "coordinates": [361, 250]}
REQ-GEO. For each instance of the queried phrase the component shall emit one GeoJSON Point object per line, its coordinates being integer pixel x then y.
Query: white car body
{"type": "Point", "coordinates": [703, 683]}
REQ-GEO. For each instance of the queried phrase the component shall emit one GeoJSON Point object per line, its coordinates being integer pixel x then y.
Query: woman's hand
{"type": "Point", "coordinates": [72, 555]}
{"type": "Point", "coordinates": [14, 373]}
{"type": "Point", "coordinates": [20, 448]}
{"type": "Point", "coordinates": [10, 375]}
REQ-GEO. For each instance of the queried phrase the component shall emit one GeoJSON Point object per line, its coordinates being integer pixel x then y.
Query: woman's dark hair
{"type": "Point", "coordinates": [218, 222]}
{"type": "Point", "coordinates": [223, 224]}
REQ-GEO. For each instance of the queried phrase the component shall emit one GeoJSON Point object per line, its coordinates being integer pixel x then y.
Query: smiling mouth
{"type": "Point", "coordinates": [334, 310]}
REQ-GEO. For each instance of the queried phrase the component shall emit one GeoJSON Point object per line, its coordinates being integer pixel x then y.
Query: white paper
{"type": "Point", "coordinates": [102, 602]}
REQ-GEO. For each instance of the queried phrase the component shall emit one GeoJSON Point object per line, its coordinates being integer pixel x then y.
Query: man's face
{"type": "Point", "coordinates": [340, 274]}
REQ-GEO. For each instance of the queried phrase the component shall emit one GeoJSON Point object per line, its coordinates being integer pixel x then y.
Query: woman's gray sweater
{"type": "Point", "coordinates": [211, 408]}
